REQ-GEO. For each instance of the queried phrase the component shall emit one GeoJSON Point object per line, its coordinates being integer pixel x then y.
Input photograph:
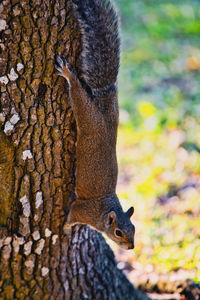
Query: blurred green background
{"type": "Point", "coordinates": [159, 132]}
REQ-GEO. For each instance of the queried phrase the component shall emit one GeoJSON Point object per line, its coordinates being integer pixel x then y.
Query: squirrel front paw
{"type": "Point", "coordinates": [63, 69]}
{"type": "Point", "coordinates": [70, 220]}
{"type": "Point", "coordinates": [67, 228]}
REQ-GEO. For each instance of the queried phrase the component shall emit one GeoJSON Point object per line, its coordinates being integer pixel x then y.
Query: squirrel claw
{"type": "Point", "coordinates": [59, 61]}
{"type": "Point", "coordinates": [59, 69]}
{"type": "Point", "coordinates": [62, 67]}
{"type": "Point", "coordinates": [65, 62]}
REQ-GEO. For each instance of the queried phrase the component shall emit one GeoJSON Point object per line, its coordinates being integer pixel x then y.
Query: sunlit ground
{"type": "Point", "coordinates": [161, 179]}
{"type": "Point", "coordinates": [159, 133]}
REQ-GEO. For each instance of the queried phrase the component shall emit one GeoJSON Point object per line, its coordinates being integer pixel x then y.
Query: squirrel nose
{"type": "Point", "coordinates": [131, 246]}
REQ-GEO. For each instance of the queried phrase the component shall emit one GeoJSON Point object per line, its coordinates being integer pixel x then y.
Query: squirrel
{"type": "Point", "coordinates": [94, 101]}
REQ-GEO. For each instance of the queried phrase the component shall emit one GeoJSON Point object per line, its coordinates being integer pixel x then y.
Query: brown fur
{"type": "Point", "coordinates": [95, 106]}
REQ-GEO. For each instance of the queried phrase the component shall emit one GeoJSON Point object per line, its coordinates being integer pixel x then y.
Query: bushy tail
{"type": "Point", "coordinates": [100, 54]}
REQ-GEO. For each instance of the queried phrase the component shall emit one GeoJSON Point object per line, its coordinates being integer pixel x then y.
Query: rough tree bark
{"type": "Point", "coordinates": [37, 163]}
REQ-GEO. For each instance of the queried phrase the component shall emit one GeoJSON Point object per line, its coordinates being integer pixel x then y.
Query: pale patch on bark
{"type": "Point", "coordinates": [4, 79]}
{"type": "Point", "coordinates": [3, 25]}
{"type": "Point", "coordinates": [26, 206]}
{"type": "Point", "coordinates": [2, 47]}
{"type": "Point", "coordinates": [7, 240]}
{"type": "Point", "coordinates": [28, 247]}
{"type": "Point", "coordinates": [81, 271]}
{"type": "Point", "coordinates": [2, 118]}
{"type": "Point", "coordinates": [36, 218]}
{"type": "Point", "coordinates": [36, 235]}
{"type": "Point", "coordinates": [8, 128]}
{"type": "Point", "coordinates": [47, 232]}
{"type": "Point", "coordinates": [45, 271]}
{"type": "Point", "coordinates": [17, 242]}
{"type": "Point", "coordinates": [54, 238]}
{"type": "Point", "coordinates": [24, 228]}
{"type": "Point", "coordinates": [23, 200]}
{"type": "Point", "coordinates": [27, 154]}
{"type": "Point", "coordinates": [16, 11]}
{"type": "Point", "coordinates": [19, 67]}
{"type": "Point", "coordinates": [13, 75]}
{"type": "Point", "coordinates": [39, 199]}
{"type": "Point", "coordinates": [66, 285]}
{"type": "Point", "coordinates": [6, 251]}
{"type": "Point", "coordinates": [14, 119]}
{"type": "Point", "coordinates": [40, 246]}
{"type": "Point", "coordinates": [30, 264]}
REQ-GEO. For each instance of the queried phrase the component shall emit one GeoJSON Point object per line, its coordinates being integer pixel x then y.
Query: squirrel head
{"type": "Point", "coordinates": [105, 215]}
{"type": "Point", "coordinates": [120, 229]}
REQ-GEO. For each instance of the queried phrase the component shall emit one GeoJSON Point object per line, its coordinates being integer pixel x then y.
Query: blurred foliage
{"type": "Point", "coordinates": [159, 133]}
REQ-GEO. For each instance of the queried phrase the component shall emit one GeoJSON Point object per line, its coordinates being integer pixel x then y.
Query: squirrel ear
{"type": "Point", "coordinates": [111, 218]}
{"type": "Point", "coordinates": [130, 211]}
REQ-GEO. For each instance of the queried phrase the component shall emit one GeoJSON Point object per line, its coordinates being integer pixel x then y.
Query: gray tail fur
{"type": "Point", "coordinates": [100, 55]}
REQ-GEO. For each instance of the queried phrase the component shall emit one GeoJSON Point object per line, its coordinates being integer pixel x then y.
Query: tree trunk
{"type": "Point", "coordinates": [37, 163]}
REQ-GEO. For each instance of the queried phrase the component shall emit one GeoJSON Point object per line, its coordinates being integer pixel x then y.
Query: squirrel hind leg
{"type": "Point", "coordinates": [63, 69]}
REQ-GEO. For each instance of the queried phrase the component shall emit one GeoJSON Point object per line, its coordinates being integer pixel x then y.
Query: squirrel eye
{"type": "Point", "coordinates": [118, 232]}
